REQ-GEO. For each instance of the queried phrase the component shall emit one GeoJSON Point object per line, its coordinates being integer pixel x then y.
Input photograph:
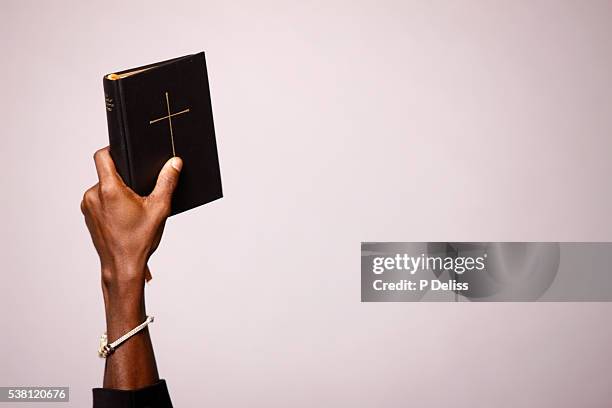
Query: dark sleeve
{"type": "Point", "coordinates": [153, 396]}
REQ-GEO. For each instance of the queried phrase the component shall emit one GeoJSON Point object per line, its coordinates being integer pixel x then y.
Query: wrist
{"type": "Point", "coordinates": [123, 312]}
{"type": "Point", "coordinates": [123, 291]}
{"type": "Point", "coordinates": [122, 277]}
{"type": "Point", "coordinates": [122, 269]}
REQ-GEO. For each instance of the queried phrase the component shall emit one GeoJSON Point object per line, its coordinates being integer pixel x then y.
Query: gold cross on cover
{"type": "Point", "coordinates": [169, 117]}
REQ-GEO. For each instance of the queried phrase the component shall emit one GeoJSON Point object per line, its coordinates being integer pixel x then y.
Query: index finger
{"type": "Point", "coordinates": [107, 173]}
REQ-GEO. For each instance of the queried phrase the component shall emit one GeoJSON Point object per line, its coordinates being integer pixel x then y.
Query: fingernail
{"type": "Point", "coordinates": [177, 163]}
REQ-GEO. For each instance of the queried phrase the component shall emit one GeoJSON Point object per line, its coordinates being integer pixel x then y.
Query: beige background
{"type": "Point", "coordinates": [338, 122]}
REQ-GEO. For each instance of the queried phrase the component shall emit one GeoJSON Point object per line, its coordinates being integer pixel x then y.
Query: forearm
{"type": "Point", "coordinates": [126, 229]}
{"type": "Point", "coordinates": [132, 365]}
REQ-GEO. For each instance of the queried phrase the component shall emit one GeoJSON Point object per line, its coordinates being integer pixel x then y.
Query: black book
{"type": "Point", "coordinates": [158, 111]}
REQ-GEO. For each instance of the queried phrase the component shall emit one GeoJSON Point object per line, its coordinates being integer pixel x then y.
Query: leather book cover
{"type": "Point", "coordinates": [158, 111]}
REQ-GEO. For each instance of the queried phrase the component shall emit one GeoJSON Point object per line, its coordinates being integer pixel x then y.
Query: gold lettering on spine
{"type": "Point", "coordinates": [109, 103]}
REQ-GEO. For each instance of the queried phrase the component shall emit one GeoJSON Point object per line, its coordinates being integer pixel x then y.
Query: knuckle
{"type": "Point", "coordinates": [89, 198]}
{"type": "Point", "coordinates": [98, 154]}
{"type": "Point", "coordinates": [108, 190]}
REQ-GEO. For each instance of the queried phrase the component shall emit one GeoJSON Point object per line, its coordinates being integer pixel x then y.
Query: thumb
{"type": "Point", "coordinates": [168, 179]}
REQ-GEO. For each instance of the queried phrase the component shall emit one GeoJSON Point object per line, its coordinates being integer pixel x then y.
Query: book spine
{"type": "Point", "coordinates": [117, 131]}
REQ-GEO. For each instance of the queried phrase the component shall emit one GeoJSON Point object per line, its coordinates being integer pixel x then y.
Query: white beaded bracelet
{"type": "Point", "coordinates": [106, 349]}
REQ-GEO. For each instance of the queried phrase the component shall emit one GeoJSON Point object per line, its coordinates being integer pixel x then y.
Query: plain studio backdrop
{"type": "Point", "coordinates": [337, 122]}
